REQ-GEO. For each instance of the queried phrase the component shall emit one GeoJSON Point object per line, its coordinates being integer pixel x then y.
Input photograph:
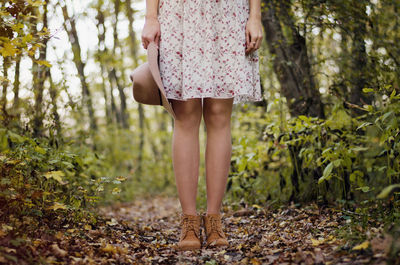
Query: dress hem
{"type": "Point", "coordinates": [240, 98]}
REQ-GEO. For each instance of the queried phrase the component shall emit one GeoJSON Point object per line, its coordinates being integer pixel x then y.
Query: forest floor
{"type": "Point", "coordinates": [146, 231]}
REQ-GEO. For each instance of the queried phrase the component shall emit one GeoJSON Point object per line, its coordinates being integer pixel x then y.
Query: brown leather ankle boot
{"type": "Point", "coordinates": [190, 232]}
{"type": "Point", "coordinates": [213, 230]}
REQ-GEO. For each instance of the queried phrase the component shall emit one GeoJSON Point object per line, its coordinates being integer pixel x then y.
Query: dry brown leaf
{"type": "Point", "coordinates": [58, 251]}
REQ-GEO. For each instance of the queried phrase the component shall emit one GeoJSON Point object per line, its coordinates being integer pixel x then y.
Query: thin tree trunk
{"type": "Point", "coordinates": [15, 106]}
{"type": "Point", "coordinates": [40, 72]}
{"type": "Point", "coordinates": [133, 49]}
{"type": "Point", "coordinates": [141, 139]}
{"type": "Point", "coordinates": [80, 65]}
{"type": "Point", "coordinates": [102, 51]}
{"type": "Point", "coordinates": [359, 56]}
{"type": "Point", "coordinates": [132, 35]}
{"type": "Point", "coordinates": [123, 109]}
{"type": "Point", "coordinates": [106, 100]}
{"type": "Point", "coordinates": [53, 96]}
{"type": "Point", "coordinates": [114, 110]}
{"type": "Point", "coordinates": [3, 105]}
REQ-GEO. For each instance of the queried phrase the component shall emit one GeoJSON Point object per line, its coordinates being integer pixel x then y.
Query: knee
{"type": "Point", "coordinates": [188, 118]}
{"type": "Point", "coordinates": [216, 116]}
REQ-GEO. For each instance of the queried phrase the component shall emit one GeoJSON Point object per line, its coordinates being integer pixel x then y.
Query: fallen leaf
{"type": "Point", "coordinates": [316, 242]}
{"type": "Point", "coordinates": [361, 246]}
{"type": "Point", "coordinates": [58, 251]}
{"type": "Point", "coordinates": [109, 249]}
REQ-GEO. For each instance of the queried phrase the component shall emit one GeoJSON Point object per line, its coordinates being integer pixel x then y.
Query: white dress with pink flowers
{"type": "Point", "coordinates": [202, 50]}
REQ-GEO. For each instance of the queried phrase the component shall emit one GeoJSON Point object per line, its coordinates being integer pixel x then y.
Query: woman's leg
{"type": "Point", "coordinates": [217, 117]}
{"type": "Point", "coordinates": [186, 152]}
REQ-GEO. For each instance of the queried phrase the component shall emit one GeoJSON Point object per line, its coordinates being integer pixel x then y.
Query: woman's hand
{"type": "Point", "coordinates": [151, 31]}
{"type": "Point", "coordinates": [254, 35]}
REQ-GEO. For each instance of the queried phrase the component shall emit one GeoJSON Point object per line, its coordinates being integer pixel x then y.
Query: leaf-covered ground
{"type": "Point", "coordinates": [145, 232]}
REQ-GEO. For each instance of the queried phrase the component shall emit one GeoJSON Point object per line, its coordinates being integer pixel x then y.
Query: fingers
{"type": "Point", "coordinates": [151, 32]}
{"type": "Point", "coordinates": [157, 39]}
{"type": "Point", "coordinates": [247, 41]}
{"type": "Point", "coordinates": [258, 43]}
{"type": "Point", "coordinates": [254, 42]}
{"type": "Point", "coordinates": [258, 40]}
{"type": "Point", "coordinates": [144, 44]}
{"type": "Point", "coordinates": [146, 40]}
{"type": "Point", "coordinates": [250, 44]}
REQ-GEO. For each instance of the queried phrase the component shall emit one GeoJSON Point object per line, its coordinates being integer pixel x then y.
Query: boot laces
{"type": "Point", "coordinates": [189, 225]}
{"type": "Point", "coordinates": [216, 226]}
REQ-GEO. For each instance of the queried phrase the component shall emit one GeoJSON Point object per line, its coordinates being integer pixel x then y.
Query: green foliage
{"type": "Point", "coordinates": [18, 33]}
{"type": "Point", "coordinates": [340, 157]}
{"type": "Point", "coordinates": [39, 178]}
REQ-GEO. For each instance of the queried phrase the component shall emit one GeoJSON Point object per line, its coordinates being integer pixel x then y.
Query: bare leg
{"type": "Point", "coordinates": [217, 117]}
{"type": "Point", "coordinates": [186, 152]}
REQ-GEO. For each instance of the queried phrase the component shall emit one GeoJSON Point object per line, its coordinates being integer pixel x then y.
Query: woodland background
{"type": "Point", "coordinates": [73, 138]}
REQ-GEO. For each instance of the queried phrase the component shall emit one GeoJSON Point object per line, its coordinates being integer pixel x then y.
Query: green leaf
{"type": "Point", "coordinates": [40, 150]}
{"type": "Point", "coordinates": [304, 118]}
{"type": "Point", "coordinates": [15, 137]}
{"type": "Point", "coordinates": [393, 94]}
{"type": "Point", "coordinates": [67, 164]}
{"type": "Point", "coordinates": [337, 162]}
{"type": "Point", "coordinates": [359, 148]}
{"type": "Point", "coordinates": [387, 114]}
{"type": "Point", "coordinates": [364, 125]}
{"type": "Point", "coordinates": [367, 90]}
{"type": "Point", "coordinates": [57, 206]}
{"type": "Point", "coordinates": [57, 175]}
{"type": "Point", "coordinates": [364, 189]}
{"type": "Point", "coordinates": [386, 191]}
{"type": "Point", "coordinates": [3, 140]}
{"type": "Point", "coordinates": [327, 173]}
{"type": "Point", "coordinates": [45, 63]}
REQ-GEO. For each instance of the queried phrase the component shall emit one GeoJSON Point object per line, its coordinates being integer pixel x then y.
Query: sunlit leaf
{"type": "Point", "coordinates": [40, 150]}
{"type": "Point", "coordinates": [367, 90]}
{"type": "Point", "coordinates": [57, 206]}
{"type": "Point", "coordinates": [361, 246]}
{"type": "Point", "coordinates": [8, 49]}
{"type": "Point", "coordinates": [116, 190]}
{"type": "Point", "coordinates": [386, 191]}
{"type": "Point", "coordinates": [45, 63]}
{"type": "Point", "coordinates": [57, 175]}
{"type": "Point", "coordinates": [121, 178]}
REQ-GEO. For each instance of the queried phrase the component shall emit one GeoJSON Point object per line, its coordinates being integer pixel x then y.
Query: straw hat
{"type": "Point", "coordinates": [147, 85]}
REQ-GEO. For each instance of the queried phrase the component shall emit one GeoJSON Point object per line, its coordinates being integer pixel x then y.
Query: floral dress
{"type": "Point", "coordinates": [202, 50]}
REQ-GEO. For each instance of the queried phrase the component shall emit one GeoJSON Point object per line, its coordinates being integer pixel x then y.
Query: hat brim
{"type": "Point", "coordinates": [152, 58]}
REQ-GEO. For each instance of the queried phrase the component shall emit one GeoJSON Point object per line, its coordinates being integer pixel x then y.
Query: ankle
{"type": "Point", "coordinates": [189, 213]}
{"type": "Point", "coordinates": [212, 212]}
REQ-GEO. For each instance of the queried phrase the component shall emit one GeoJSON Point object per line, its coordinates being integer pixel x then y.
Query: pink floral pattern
{"type": "Point", "coordinates": [202, 50]}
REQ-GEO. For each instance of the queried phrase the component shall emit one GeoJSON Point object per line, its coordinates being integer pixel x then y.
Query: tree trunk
{"type": "Point", "coordinates": [141, 140]}
{"type": "Point", "coordinates": [123, 109]}
{"type": "Point", "coordinates": [56, 116]}
{"type": "Point", "coordinates": [133, 49]}
{"type": "Point", "coordinates": [359, 61]}
{"type": "Point", "coordinates": [102, 52]}
{"type": "Point", "coordinates": [3, 104]}
{"type": "Point", "coordinates": [15, 106]}
{"type": "Point", "coordinates": [40, 73]}
{"type": "Point", "coordinates": [80, 65]}
{"type": "Point", "coordinates": [291, 63]}
{"type": "Point", "coordinates": [132, 35]}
